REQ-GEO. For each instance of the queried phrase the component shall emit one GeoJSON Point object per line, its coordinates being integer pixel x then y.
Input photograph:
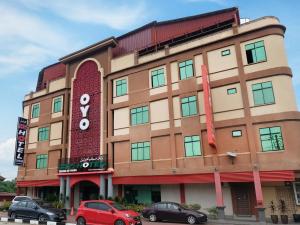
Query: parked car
{"type": "Point", "coordinates": [173, 212]}
{"type": "Point", "coordinates": [107, 212]}
{"type": "Point", "coordinates": [32, 210]}
{"type": "Point", "coordinates": [21, 198]}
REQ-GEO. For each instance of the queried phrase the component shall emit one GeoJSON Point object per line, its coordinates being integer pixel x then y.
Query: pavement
{"type": "Point", "coordinates": [71, 219]}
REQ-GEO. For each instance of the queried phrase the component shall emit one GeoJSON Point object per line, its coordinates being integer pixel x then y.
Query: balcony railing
{"type": "Point", "coordinates": [82, 164]}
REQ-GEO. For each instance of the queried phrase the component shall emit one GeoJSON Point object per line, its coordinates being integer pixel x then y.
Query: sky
{"type": "Point", "coordinates": [35, 33]}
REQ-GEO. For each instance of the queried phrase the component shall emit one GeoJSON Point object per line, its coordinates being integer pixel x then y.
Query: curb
{"type": "Point", "coordinates": [29, 221]}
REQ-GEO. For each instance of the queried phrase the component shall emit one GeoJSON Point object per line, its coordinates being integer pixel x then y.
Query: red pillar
{"type": "Point", "coordinates": [257, 186]}
{"type": "Point", "coordinates": [218, 187]}
{"type": "Point", "coordinates": [182, 193]}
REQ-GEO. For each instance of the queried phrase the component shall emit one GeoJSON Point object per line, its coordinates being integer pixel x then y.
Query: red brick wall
{"type": "Point", "coordinates": [86, 142]}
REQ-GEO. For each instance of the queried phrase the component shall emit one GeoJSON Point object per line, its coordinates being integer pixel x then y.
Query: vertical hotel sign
{"type": "Point", "coordinates": [20, 141]}
{"type": "Point", "coordinates": [208, 108]}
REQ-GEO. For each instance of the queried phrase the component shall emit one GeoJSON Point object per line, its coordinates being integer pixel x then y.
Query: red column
{"type": "Point", "coordinates": [218, 187]}
{"type": "Point", "coordinates": [257, 186]}
{"type": "Point", "coordinates": [182, 193]}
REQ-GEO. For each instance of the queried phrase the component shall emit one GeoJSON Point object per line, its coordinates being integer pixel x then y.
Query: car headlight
{"type": "Point", "coordinates": [127, 215]}
{"type": "Point", "coordinates": [50, 214]}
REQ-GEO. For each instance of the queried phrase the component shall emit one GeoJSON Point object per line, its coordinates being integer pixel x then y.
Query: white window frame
{"type": "Point", "coordinates": [294, 187]}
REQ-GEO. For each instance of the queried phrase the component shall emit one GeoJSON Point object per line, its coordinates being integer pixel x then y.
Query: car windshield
{"type": "Point", "coordinates": [118, 206]}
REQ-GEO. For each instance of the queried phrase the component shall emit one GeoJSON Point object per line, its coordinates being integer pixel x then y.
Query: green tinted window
{"type": "Point", "coordinates": [263, 93]}
{"type": "Point", "coordinates": [139, 115]}
{"type": "Point", "coordinates": [43, 133]}
{"type": "Point", "coordinates": [271, 139]}
{"type": "Point", "coordinates": [231, 91]}
{"type": "Point", "coordinates": [189, 106]}
{"type": "Point", "coordinates": [140, 151]}
{"type": "Point", "coordinates": [192, 146]}
{"type": "Point", "coordinates": [157, 78]}
{"type": "Point", "coordinates": [225, 52]}
{"type": "Point", "coordinates": [57, 105]}
{"type": "Point", "coordinates": [121, 87]}
{"type": "Point", "coordinates": [236, 133]}
{"type": "Point", "coordinates": [41, 161]}
{"type": "Point", "coordinates": [186, 69]}
{"type": "Point", "coordinates": [35, 111]}
{"type": "Point", "coordinates": [255, 52]}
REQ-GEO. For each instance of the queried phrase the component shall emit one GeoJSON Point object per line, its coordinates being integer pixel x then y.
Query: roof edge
{"type": "Point", "coordinates": [111, 41]}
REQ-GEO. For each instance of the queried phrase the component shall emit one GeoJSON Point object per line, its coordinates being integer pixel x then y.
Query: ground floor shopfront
{"type": "Point", "coordinates": [234, 194]}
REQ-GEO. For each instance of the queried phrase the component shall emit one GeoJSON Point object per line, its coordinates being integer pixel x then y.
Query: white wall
{"type": "Point", "coordinates": [170, 193]}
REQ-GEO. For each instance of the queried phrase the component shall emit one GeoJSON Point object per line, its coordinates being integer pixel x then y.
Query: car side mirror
{"type": "Point", "coordinates": [112, 211]}
{"type": "Point", "coordinates": [36, 207]}
{"type": "Point", "coordinates": [180, 209]}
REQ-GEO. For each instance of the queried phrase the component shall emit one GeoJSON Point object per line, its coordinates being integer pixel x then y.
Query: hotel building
{"type": "Point", "coordinates": [198, 109]}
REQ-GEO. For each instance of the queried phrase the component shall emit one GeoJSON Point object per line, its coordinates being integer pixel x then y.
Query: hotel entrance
{"type": "Point", "coordinates": [83, 191]}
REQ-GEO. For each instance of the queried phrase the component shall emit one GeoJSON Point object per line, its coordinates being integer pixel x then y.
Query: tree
{"type": "Point", "coordinates": [8, 186]}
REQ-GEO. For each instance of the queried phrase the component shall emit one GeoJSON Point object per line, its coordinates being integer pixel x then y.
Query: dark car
{"type": "Point", "coordinates": [33, 210]}
{"type": "Point", "coordinates": [173, 212]}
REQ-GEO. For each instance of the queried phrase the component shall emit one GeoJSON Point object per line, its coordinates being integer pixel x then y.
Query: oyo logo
{"type": "Point", "coordinates": [84, 108]}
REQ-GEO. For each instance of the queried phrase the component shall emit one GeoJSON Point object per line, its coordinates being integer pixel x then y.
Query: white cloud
{"type": "Point", "coordinates": [7, 169]}
{"type": "Point", "coordinates": [115, 15]}
{"type": "Point", "coordinates": [27, 41]}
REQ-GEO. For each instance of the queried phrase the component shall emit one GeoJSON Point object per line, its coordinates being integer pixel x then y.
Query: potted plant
{"type": "Point", "coordinates": [274, 217]}
{"type": "Point", "coordinates": [282, 207]}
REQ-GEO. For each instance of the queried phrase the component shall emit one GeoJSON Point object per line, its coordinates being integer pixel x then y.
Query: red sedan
{"type": "Point", "coordinates": [105, 212]}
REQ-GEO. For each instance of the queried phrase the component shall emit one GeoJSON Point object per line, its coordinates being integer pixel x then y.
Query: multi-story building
{"type": "Point", "coordinates": [194, 110]}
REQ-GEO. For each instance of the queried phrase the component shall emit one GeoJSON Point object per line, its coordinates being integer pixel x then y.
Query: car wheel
{"type": "Point", "coordinates": [119, 222]}
{"type": "Point", "coordinates": [152, 217]}
{"type": "Point", "coordinates": [13, 215]}
{"type": "Point", "coordinates": [42, 218]}
{"type": "Point", "coordinates": [191, 219]}
{"type": "Point", "coordinates": [81, 221]}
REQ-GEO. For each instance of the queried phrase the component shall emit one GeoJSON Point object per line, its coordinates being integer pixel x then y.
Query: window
{"type": "Point", "coordinates": [139, 115]}
{"type": "Point", "coordinates": [231, 91]}
{"type": "Point", "coordinates": [35, 111]}
{"type": "Point", "coordinates": [41, 161]}
{"type": "Point", "coordinates": [98, 205]}
{"type": "Point", "coordinates": [297, 192]}
{"type": "Point", "coordinates": [43, 133]}
{"type": "Point", "coordinates": [225, 52]}
{"type": "Point", "coordinates": [236, 133]}
{"type": "Point", "coordinates": [192, 146]}
{"type": "Point", "coordinates": [121, 87]}
{"type": "Point", "coordinates": [186, 69]}
{"type": "Point", "coordinates": [158, 78]}
{"type": "Point", "coordinates": [140, 151]}
{"type": "Point", "coordinates": [161, 206]}
{"type": "Point", "coordinates": [189, 106]}
{"type": "Point", "coordinates": [173, 206]}
{"type": "Point", "coordinates": [263, 93]}
{"type": "Point", "coordinates": [271, 139]}
{"type": "Point", "coordinates": [57, 105]}
{"type": "Point", "coordinates": [255, 52]}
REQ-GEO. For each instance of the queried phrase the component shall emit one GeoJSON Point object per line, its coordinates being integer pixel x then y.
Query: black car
{"type": "Point", "coordinates": [173, 212]}
{"type": "Point", "coordinates": [33, 210]}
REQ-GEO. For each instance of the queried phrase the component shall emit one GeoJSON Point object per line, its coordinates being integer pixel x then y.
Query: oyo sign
{"type": "Point", "coordinates": [84, 108]}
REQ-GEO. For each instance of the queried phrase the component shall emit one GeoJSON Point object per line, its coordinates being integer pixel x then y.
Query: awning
{"type": "Point", "coordinates": [37, 183]}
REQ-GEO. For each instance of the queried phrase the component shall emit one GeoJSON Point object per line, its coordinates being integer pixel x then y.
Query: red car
{"type": "Point", "coordinates": [105, 212]}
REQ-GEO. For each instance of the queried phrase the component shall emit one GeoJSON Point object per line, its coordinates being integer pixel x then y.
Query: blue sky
{"type": "Point", "coordinates": [35, 33]}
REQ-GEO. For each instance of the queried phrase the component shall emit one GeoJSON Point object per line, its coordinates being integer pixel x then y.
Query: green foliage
{"type": "Point", "coordinates": [51, 198]}
{"type": "Point", "coordinates": [272, 207]}
{"type": "Point", "coordinates": [110, 198]}
{"type": "Point", "coordinates": [213, 212]}
{"type": "Point", "coordinates": [8, 186]}
{"type": "Point", "coordinates": [135, 207]}
{"type": "Point", "coordinates": [100, 197]}
{"type": "Point", "coordinates": [58, 204]}
{"type": "Point", "coordinates": [282, 207]}
{"type": "Point", "coordinates": [5, 205]}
